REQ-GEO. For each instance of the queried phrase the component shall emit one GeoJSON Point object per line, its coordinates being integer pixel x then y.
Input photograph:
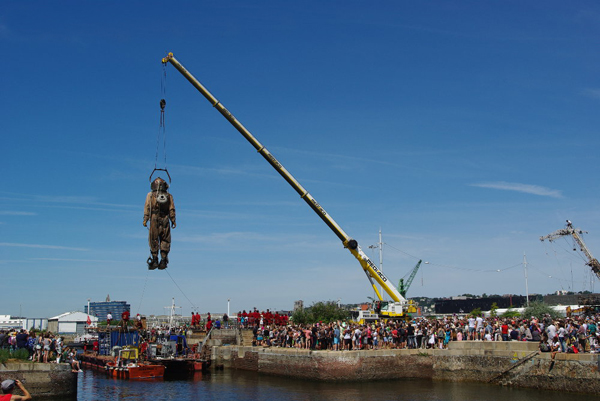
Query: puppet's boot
{"type": "Point", "coordinates": [164, 261]}
{"type": "Point", "coordinates": [152, 262]}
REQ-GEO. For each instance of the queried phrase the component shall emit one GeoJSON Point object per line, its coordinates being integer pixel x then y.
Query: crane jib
{"type": "Point", "coordinates": [348, 242]}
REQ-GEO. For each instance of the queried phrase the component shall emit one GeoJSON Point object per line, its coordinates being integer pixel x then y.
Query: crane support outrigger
{"type": "Point", "coordinates": [396, 309]}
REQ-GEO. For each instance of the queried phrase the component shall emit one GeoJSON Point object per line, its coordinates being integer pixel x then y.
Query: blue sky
{"type": "Point", "coordinates": [463, 130]}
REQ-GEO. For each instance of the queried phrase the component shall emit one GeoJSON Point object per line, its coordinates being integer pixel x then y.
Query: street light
{"type": "Point", "coordinates": [228, 314]}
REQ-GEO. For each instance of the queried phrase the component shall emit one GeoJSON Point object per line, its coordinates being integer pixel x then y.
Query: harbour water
{"type": "Point", "coordinates": [229, 385]}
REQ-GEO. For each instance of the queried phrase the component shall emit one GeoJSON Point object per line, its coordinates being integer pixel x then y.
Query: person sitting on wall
{"type": "Point", "coordinates": [72, 360]}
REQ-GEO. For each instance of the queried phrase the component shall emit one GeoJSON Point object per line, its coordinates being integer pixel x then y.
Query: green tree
{"type": "Point", "coordinates": [300, 316]}
{"type": "Point", "coordinates": [511, 313]}
{"type": "Point", "coordinates": [539, 309]}
{"type": "Point", "coordinates": [476, 312]}
{"type": "Point", "coordinates": [493, 309]}
{"type": "Point", "coordinates": [325, 312]}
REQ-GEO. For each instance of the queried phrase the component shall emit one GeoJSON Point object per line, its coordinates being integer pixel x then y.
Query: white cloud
{"type": "Point", "coordinates": [41, 246]}
{"type": "Point", "coordinates": [525, 188]}
{"type": "Point", "coordinates": [592, 92]}
{"type": "Point", "coordinates": [13, 213]}
{"type": "Point", "coordinates": [83, 260]}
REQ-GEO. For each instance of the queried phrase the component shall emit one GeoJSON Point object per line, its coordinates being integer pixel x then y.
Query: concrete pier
{"type": "Point", "coordinates": [508, 363]}
{"type": "Point", "coordinates": [42, 380]}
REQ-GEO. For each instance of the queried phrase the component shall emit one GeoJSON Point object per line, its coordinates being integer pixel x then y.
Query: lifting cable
{"type": "Point", "coordinates": [162, 132]}
{"type": "Point", "coordinates": [177, 285]}
{"type": "Point", "coordinates": [143, 291]}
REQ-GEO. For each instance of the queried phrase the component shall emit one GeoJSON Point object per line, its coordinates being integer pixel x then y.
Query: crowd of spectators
{"type": "Point", "coordinates": [573, 335]}
{"type": "Point", "coordinates": [42, 347]}
{"type": "Point", "coordinates": [262, 318]}
{"type": "Point", "coordinates": [244, 320]}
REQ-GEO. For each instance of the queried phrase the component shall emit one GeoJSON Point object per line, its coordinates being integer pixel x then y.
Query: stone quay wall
{"type": "Point", "coordinates": [510, 363]}
{"type": "Point", "coordinates": [42, 380]}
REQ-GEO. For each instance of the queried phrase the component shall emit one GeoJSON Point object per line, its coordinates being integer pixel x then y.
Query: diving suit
{"type": "Point", "coordinates": [159, 209]}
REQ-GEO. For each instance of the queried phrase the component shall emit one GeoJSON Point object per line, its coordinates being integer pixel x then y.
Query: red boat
{"type": "Point", "coordinates": [127, 366]}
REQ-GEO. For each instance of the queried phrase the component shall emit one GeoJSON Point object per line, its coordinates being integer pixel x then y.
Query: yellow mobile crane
{"type": "Point", "coordinates": [395, 309]}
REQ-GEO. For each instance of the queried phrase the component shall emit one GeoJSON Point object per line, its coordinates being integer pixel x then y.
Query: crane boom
{"type": "Point", "coordinates": [402, 286]}
{"type": "Point", "coordinates": [371, 270]}
{"type": "Point", "coordinates": [576, 234]}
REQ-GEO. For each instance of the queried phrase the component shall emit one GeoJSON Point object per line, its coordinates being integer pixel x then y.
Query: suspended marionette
{"type": "Point", "coordinates": [160, 211]}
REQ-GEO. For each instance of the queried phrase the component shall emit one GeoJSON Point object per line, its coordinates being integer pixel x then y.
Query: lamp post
{"type": "Point", "coordinates": [88, 309]}
{"type": "Point", "coordinates": [228, 314]}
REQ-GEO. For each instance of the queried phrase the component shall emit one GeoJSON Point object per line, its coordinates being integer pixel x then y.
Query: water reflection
{"type": "Point", "coordinates": [240, 385]}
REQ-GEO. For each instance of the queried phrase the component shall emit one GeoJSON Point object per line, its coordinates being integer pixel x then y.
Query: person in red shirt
{"type": "Point", "coordinates": [143, 350]}
{"type": "Point", "coordinates": [8, 386]}
{"type": "Point", "coordinates": [504, 329]}
{"type": "Point", "coordinates": [268, 317]}
{"type": "Point", "coordinates": [125, 320]}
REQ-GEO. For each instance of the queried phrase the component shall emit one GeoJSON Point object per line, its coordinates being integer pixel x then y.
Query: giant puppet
{"type": "Point", "coordinates": [160, 211]}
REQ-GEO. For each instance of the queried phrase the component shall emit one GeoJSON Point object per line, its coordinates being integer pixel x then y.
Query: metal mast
{"type": "Point", "coordinates": [380, 251]}
{"type": "Point", "coordinates": [526, 284]}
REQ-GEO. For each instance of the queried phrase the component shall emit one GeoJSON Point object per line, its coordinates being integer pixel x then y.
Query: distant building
{"type": "Point", "coordinates": [448, 306]}
{"type": "Point", "coordinates": [70, 323]}
{"type": "Point", "coordinates": [298, 305]}
{"type": "Point", "coordinates": [101, 309]}
{"type": "Point", "coordinates": [38, 323]}
{"type": "Point", "coordinates": [8, 322]}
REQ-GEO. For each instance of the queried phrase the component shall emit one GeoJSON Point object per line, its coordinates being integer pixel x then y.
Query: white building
{"type": "Point", "coordinates": [39, 323]}
{"type": "Point", "coordinates": [561, 309]}
{"type": "Point", "coordinates": [70, 323]}
{"type": "Point", "coordinates": [8, 322]}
